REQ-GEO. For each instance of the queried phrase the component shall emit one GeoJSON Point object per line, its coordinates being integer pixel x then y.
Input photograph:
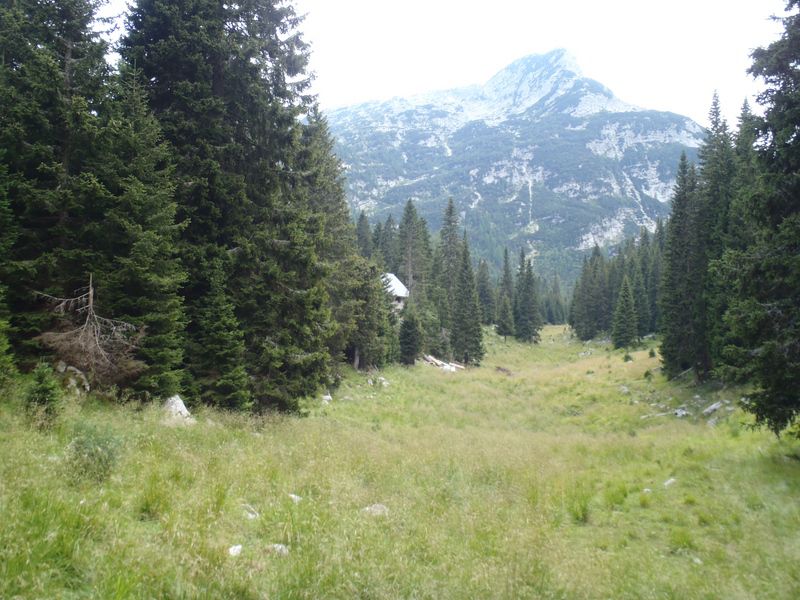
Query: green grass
{"type": "Point", "coordinates": [542, 483]}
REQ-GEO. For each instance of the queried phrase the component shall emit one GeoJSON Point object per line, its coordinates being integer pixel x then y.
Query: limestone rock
{"type": "Point", "coordinates": [177, 413]}
{"type": "Point", "coordinates": [376, 510]}
{"type": "Point", "coordinates": [279, 549]}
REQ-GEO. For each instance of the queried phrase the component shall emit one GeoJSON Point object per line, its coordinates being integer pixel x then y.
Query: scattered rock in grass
{"type": "Point", "coordinates": [295, 498]}
{"type": "Point", "coordinates": [681, 412]}
{"type": "Point", "coordinates": [710, 410]}
{"type": "Point", "coordinates": [235, 550]}
{"type": "Point", "coordinates": [369, 382]}
{"type": "Point", "coordinates": [383, 382]}
{"type": "Point", "coordinates": [712, 422]}
{"type": "Point", "coordinates": [177, 413]}
{"type": "Point", "coordinates": [327, 398]}
{"type": "Point", "coordinates": [669, 482]}
{"type": "Point", "coordinates": [250, 512]}
{"type": "Point", "coordinates": [376, 510]}
{"type": "Point", "coordinates": [624, 389]}
{"type": "Point", "coordinates": [647, 491]}
{"type": "Point", "coordinates": [697, 561]}
{"type": "Point", "coordinates": [279, 549]}
{"type": "Point", "coordinates": [585, 354]}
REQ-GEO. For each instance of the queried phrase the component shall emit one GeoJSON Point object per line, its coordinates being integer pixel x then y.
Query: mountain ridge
{"type": "Point", "coordinates": [538, 156]}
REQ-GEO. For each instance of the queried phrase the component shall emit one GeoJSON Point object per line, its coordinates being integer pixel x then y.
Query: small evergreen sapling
{"type": "Point", "coordinates": [43, 396]}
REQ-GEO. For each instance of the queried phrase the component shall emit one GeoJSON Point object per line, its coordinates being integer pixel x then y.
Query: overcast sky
{"type": "Point", "coordinates": [665, 55]}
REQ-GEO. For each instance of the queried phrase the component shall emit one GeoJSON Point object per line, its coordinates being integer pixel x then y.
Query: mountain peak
{"type": "Point", "coordinates": [528, 80]}
{"type": "Point", "coordinates": [558, 60]}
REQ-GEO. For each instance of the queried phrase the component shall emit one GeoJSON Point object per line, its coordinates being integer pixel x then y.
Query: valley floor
{"type": "Point", "coordinates": [554, 471]}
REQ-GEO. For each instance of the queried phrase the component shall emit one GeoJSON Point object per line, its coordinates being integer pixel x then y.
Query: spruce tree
{"type": "Point", "coordinates": [528, 321]}
{"type": "Point", "coordinates": [7, 234]}
{"type": "Point", "coordinates": [624, 329]}
{"type": "Point", "coordinates": [243, 183]}
{"type": "Point", "coordinates": [364, 235]}
{"type": "Point", "coordinates": [467, 336]}
{"type": "Point", "coordinates": [370, 341]}
{"type": "Point", "coordinates": [764, 312]}
{"type": "Point", "coordinates": [142, 275]}
{"type": "Point", "coordinates": [641, 302]}
{"type": "Point", "coordinates": [505, 318]}
{"type": "Point", "coordinates": [506, 279]}
{"type": "Point", "coordinates": [677, 285]}
{"type": "Point", "coordinates": [410, 338]}
{"type": "Point", "coordinates": [220, 376]}
{"type": "Point", "coordinates": [710, 233]}
{"type": "Point", "coordinates": [51, 90]}
{"type": "Point", "coordinates": [485, 293]}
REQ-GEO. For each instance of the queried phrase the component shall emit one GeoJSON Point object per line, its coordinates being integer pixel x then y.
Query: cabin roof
{"type": "Point", "coordinates": [394, 286]}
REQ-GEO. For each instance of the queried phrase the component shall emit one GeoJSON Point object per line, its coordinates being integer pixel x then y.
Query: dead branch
{"type": "Point", "coordinates": [100, 346]}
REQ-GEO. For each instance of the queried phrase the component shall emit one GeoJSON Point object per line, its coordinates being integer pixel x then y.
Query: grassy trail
{"type": "Point", "coordinates": [542, 474]}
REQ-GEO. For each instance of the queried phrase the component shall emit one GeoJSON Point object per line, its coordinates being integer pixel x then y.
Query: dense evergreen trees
{"type": "Point", "coordinates": [209, 214]}
{"type": "Point", "coordinates": [596, 295]}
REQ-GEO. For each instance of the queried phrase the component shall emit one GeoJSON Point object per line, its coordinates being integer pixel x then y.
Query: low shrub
{"type": "Point", "coordinates": [92, 453]}
{"type": "Point", "coordinates": [43, 396]}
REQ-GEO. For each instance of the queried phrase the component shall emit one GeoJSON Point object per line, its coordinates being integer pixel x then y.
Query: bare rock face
{"type": "Point", "coordinates": [176, 413]}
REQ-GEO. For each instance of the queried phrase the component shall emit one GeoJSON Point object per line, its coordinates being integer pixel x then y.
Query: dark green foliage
{"type": "Point", "coordinates": [527, 318]}
{"type": "Point", "coordinates": [677, 284]}
{"type": "Point", "coordinates": [485, 294]}
{"type": "Point", "coordinates": [143, 275]}
{"type": "Point", "coordinates": [220, 374]}
{"type": "Point", "coordinates": [624, 329]}
{"type": "Point", "coordinates": [764, 312]}
{"type": "Point", "coordinates": [413, 251]}
{"type": "Point", "coordinates": [554, 310]}
{"type": "Point", "coordinates": [505, 318]}
{"type": "Point", "coordinates": [589, 312]}
{"type": "Point", "coordinates": [43, 396]}
{"type": "Point", "coordinates": [506, 285]}
{"type": "Point", "coordinates": [51, 77]}
{"type": "Point", "coordinates": [7, 234]}
{"type": "Point", "coordinates": [371, 340]}
{"type": "Point", "coordinates": [641, 302]}
{"type": "Point", "coordinates": [7, 368]}
{"type": "Point", "coordinates": [410, 338]}
{"type": "Point", "coordinates": [226, 83]}
{"type": "Point", "coordinates": [466, 337]}
{"type": "Point", "coordinates": [364, 236]}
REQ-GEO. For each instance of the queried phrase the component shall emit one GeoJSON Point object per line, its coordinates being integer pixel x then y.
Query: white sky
{"type": "Point", "coordinates": [665, 55]}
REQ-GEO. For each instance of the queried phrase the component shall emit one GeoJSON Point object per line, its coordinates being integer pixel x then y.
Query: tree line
{"type": "Point", "coordinates": [721, 281]}
{"type": "Point", "coordinates": [450, 299]}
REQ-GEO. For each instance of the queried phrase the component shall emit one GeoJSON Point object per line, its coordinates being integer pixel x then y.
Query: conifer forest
{"type": "Point", "coordinates": [174, 220]}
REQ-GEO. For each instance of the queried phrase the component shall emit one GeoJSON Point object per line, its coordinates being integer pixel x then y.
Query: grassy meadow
{"type": "Point", "coordinates": [549, 472]}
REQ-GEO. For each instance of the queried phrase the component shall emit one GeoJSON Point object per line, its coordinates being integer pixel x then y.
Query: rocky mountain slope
{"type": "Point", "coordinates": [539, 157]}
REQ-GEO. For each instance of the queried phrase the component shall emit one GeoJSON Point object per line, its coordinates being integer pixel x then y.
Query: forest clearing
{"type": "Point", "coordinates": [552, 471]}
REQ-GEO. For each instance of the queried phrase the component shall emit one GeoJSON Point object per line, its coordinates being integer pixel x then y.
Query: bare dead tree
{"type": "Point", "coordinates": [99, 346]}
